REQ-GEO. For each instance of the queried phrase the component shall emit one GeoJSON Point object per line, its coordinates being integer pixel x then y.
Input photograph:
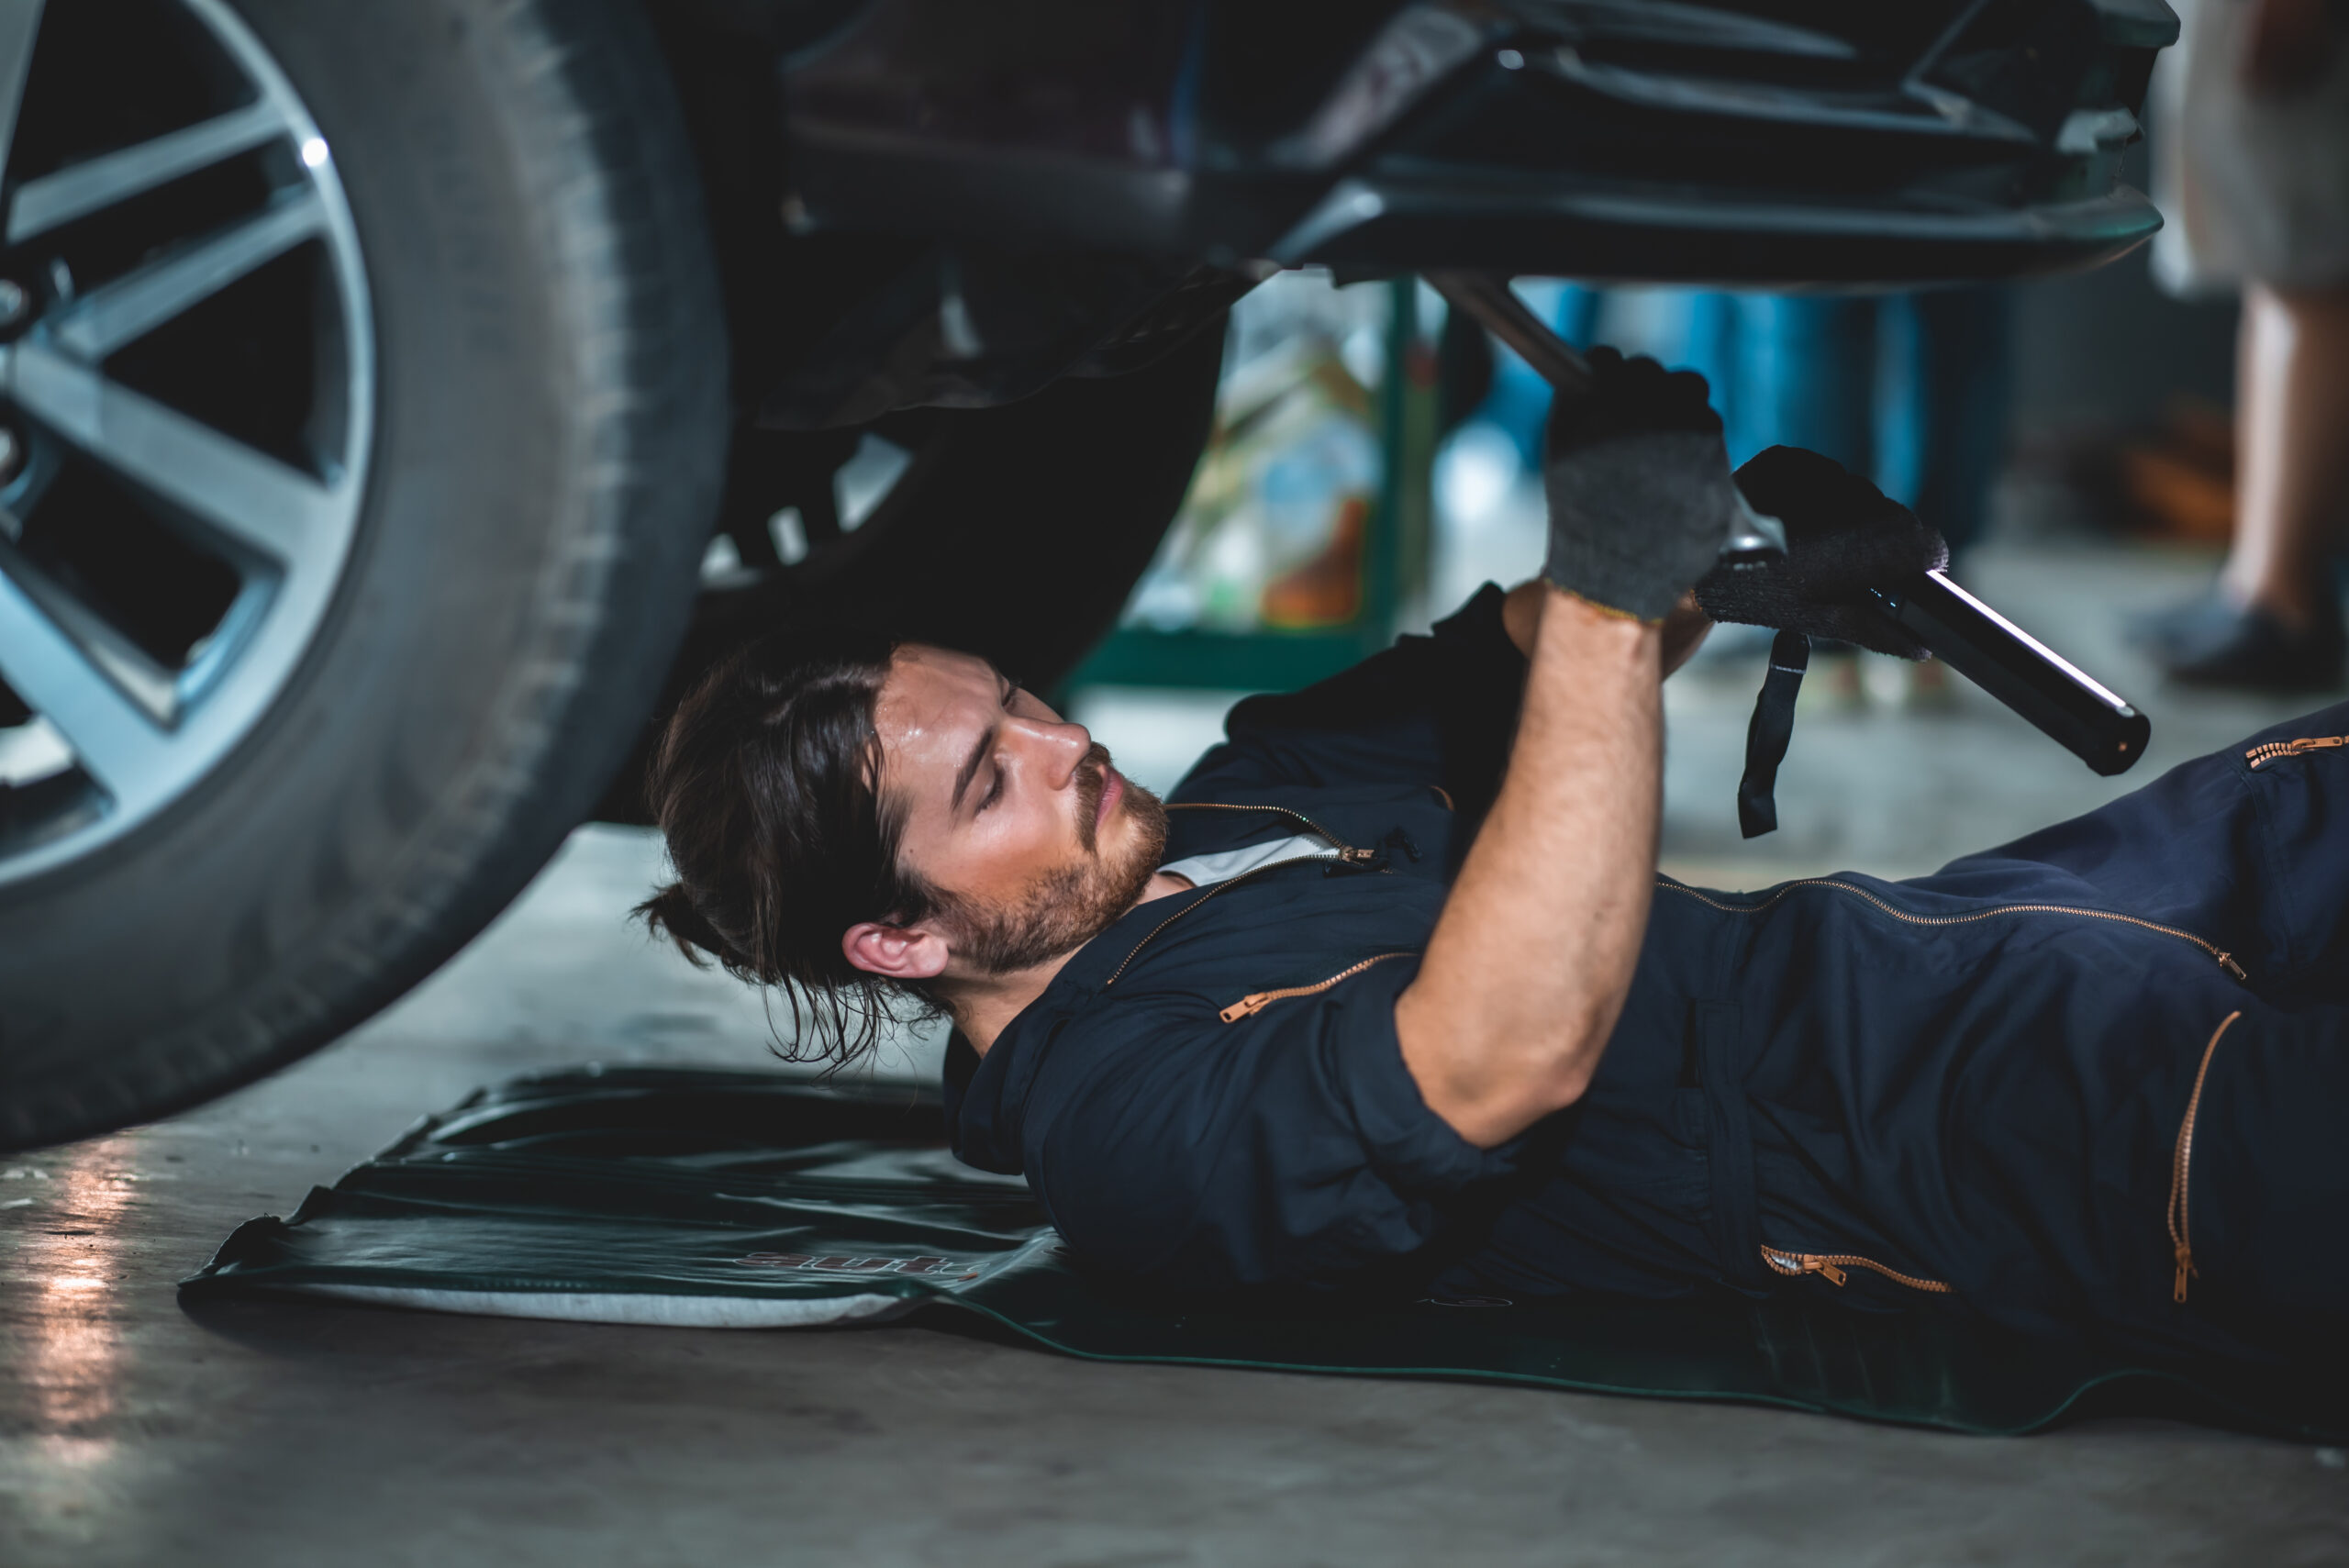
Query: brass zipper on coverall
{"type": "Point", "coordinates": [1830, 1266]}
{"type": "Point", "coordinates": [2225, 959]}
{"type": "Point", "coordinates": [1257, 1001]}
{"type": "Point", "coordinates": [1347, 855]}
{"type": "Point", "coordinates": [2181, 1165]}
{"type": "Point", "coordinates": [2260, 756]}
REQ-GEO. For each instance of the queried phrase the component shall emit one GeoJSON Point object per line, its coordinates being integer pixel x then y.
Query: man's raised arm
{"type": "Point", "coordinates": [1532, 960]}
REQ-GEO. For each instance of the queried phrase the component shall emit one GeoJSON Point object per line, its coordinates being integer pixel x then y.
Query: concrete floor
{"type": "Point", "coordinates": [132, 1432]}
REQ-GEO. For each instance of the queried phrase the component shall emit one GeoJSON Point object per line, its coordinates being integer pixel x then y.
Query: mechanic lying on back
{"type": "Point", "coordinates": [1389, 989]}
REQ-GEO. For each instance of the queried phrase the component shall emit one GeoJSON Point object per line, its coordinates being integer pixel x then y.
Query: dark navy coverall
{"type": "Point", "coordinates": [1982, 1081]}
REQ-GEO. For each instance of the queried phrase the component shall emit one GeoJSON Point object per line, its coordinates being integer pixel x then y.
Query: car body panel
{"type": "Point", "coordinates": [1772, 142]}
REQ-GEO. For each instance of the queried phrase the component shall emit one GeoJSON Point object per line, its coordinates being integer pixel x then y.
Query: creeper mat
{"type": "Point", "coordinates": [721, 1198]}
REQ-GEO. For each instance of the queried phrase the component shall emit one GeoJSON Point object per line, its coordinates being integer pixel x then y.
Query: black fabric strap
{"type": "Point", "coordinates": [1766, 736]}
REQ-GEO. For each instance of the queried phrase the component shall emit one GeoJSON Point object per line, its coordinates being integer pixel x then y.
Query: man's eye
{"type": "Point", "coordinates": [995, 790]}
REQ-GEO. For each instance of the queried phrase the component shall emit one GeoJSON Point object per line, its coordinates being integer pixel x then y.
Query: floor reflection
{"type": "Point", "coordinates": [66, 1265]}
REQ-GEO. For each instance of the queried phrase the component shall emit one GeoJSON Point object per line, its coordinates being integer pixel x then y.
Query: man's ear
{"type": "Point", "coordinates": [895, 952]}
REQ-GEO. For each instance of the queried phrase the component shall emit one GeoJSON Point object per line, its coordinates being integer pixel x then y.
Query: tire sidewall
{"type": "Point", "coordinates": [512, 593]}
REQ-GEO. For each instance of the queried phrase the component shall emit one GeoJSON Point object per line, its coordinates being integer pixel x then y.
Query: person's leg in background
{"type": "Point", "coordinates": [2275, 620]}
{"type": "Point", "coordinates": [2294, 491]}
{"type": "Point", "coordinates": [2251, 146]}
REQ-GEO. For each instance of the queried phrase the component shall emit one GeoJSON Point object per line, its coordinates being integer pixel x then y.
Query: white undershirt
{"type": "Point", "coordinates": [1201, 870]}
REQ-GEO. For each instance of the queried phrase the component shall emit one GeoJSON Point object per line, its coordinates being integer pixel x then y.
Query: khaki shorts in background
{"type": "Point", "coordinates": [2253, 180]}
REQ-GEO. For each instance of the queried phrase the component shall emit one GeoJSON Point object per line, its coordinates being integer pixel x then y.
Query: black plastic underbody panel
{"type": "Point", "coordinates": [1770, 142]}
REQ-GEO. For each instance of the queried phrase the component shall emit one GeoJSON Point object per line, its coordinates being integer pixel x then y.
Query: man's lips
{"type": "Point", "coordinates": [1113, 789]}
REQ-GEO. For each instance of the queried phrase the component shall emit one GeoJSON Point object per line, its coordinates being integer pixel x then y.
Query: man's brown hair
{"type": "Point", "coordinates": [767, 787]}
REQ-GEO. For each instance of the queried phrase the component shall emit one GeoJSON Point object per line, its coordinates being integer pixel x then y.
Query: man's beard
{"type": "Point", "coordinates": [1069, 906]}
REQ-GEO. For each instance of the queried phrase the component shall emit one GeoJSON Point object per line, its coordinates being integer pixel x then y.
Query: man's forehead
{"type": "Point", "coordinates": [933, 700]}
{"type": "Point", "coordinates": [923, 676]}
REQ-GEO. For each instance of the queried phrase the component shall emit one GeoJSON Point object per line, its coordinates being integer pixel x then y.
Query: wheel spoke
{"type": "Point", "coordinates": [19, 25]}
{"type": "Point", "coordinates": [258, 502]}
{"type": "Point", "coordinates": [135, 305]}
{"type": "Point", "coordinates": [56, 673]}
{"type": "Point", "coordinates": [83, 188]}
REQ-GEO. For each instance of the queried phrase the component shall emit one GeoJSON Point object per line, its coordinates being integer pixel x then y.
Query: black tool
{"type": "Point", "coordinates": [2079, 713]}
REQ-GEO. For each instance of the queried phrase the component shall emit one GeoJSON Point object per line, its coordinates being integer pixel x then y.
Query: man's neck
{"type": "Point", "coordinates": [983, 1005]}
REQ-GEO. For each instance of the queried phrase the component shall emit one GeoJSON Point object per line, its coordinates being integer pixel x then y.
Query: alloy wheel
{"type": "Point", "coordinates": [187, 386]}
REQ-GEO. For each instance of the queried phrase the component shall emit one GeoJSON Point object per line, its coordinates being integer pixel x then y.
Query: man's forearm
{"type": "Point", "coordinates": [1529, 964]}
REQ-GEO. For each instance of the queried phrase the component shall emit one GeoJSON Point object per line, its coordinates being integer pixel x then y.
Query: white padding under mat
{"type": "Point", "coordinates": [616, 1306]}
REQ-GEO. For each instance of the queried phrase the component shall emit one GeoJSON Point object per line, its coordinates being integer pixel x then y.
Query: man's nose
{"type": "Point", "coordinates": [1062, 747]}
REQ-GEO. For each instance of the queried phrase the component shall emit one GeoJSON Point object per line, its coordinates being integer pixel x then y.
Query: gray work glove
{"type": "Point", "coordinates": [1844, 537]}
{"type": "Point", "coordinates": [1641, 497]}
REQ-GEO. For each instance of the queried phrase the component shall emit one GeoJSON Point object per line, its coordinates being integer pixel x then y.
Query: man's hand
{"type": "Point", "coordinates": [1532, 958]}
{"type": "Point", "coordinates": [1641, 497]}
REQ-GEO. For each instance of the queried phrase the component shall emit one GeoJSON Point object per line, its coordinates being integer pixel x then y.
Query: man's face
{"type": "Point", "coordinates": [1011, 812]}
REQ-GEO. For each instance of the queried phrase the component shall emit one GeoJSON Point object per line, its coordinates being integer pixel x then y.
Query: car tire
{"type": "Point", "coordinates": [1032, 522]}
{"type": "Point", "coordinates": [550, 416]}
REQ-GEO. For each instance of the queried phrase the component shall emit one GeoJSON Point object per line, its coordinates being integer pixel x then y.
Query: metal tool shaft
{"type": "Point", "coordinates": [1489, 298]}
{"type": "Point", "coordinates": [1754, 539]}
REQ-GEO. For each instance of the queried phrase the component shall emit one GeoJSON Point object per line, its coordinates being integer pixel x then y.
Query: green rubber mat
{"type": "Point", "coordinates": [733, 1199]}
